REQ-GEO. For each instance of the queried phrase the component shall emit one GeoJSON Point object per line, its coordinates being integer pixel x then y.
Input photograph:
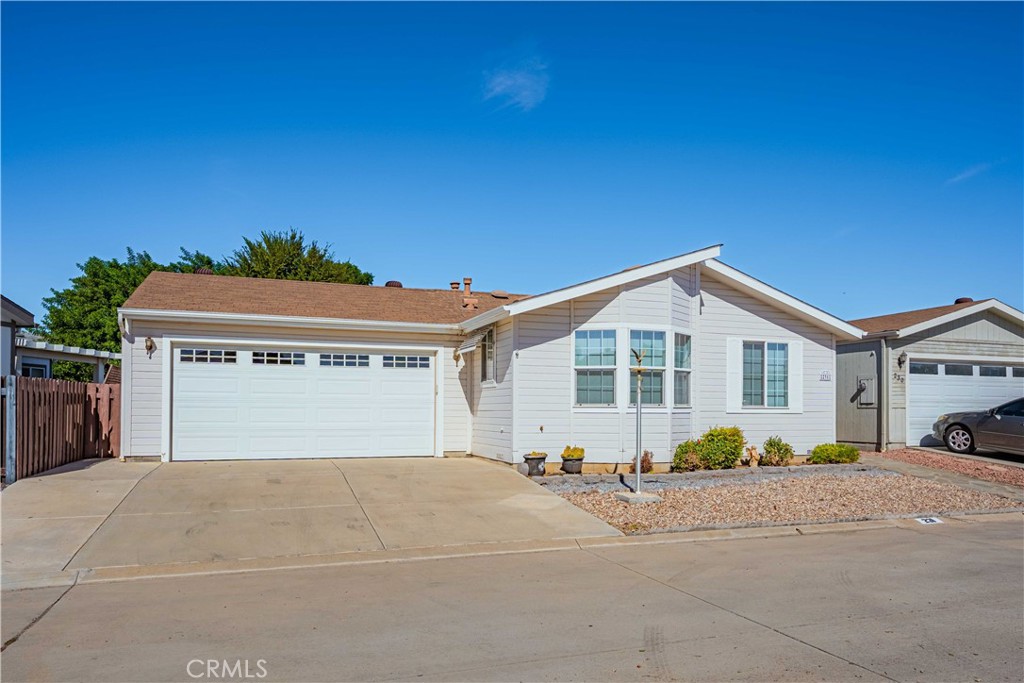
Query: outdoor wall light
{"type": "Point", "coordinates": [902, 360]}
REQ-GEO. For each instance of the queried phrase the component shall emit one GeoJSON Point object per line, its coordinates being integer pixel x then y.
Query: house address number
{"type": "Point", "coordinates": [825, 376]}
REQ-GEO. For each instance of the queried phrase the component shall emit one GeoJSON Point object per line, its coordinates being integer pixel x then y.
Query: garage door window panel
{"type": "Point", "coordinates": [208, 356]}
{"type": "Point", "coordinates": [993, 371]}
{"type": "Point", "coordinates": [956, 369]}
{"type": "Point", "coordinates": [406, 361]}
{"type": "Point", "coordinates": [924, 368]}
{"type": "Point", "coordinates": [344, 360]}
{"type": "Point", "coordinates": [278, 358]}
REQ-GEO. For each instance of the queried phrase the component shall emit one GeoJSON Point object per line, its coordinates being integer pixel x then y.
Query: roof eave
{"type": "Point", "coordinates": [843, 330]}
{"type": "Point", "coordinates": [126, 315]}
{"type": "Point", "coordinates": [993, 305]}
{"type": "Point", "coordinates": [484, 319]}
{"type": "Point", "coordinates": [614, 280]}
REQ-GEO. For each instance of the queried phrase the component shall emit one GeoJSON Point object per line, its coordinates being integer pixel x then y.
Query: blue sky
{"type": "Point", "coordinates": [864, 157]}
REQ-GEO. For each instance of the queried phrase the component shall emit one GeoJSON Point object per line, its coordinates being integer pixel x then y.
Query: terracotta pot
{"type": "Point", "coordinates": [573, 466]}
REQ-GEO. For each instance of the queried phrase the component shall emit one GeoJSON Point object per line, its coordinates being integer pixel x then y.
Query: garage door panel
{"type": "Point", "coordinates": [242, 410]}
{"type": "Point", "coordinates": [929, 396]}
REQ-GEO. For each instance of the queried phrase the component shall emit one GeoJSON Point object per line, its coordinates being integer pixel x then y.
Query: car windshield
{"type": "Point", "coordinates": [1012, 409]}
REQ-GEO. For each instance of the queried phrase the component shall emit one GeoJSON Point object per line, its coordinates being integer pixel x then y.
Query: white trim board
{"type": "Point", "coordinates": [993, 305]}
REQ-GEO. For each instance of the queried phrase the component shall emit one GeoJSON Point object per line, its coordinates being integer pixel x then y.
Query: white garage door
{"type": "Point", "coordinates": [240, 403]}
{"type": "Point", "coordinates": [937, 387]}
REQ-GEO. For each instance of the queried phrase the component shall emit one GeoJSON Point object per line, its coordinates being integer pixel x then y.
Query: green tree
{"type": "Point", "coordinates": [286, 256]}
{"type": "Point", "coordinates": [85, 314]}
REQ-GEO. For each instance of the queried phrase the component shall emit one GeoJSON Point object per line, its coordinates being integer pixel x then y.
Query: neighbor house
{"type": "Point", "coordinates": [29, 355]}
{"type": "Point", "coordinates": [219, 367]}
{"type": "Point", "coordinates": [913, 366]}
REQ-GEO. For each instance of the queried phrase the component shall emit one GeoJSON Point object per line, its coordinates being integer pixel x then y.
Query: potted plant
{"type": "Point", "coordinates": [572, 460]}
{"type": "Point", "coordinates": [535, 461]}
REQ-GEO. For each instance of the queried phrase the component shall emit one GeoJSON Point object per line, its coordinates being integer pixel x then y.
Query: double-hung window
{"type": "Point", "coordinates": [765, 374]}
{"type": "Point", "coordinates": [595, 367]}
{"type": "Point", "coordinates": [681, 394]}
{"type": "Point", "coordinates": [651, 344]}
{"type": "Point", "coordinates": [488, 363]}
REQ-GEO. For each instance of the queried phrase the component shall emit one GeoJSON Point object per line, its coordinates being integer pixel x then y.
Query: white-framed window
{"type": "Point", "coordinates": [345, 360]}
{"type": "Point", "coordinates": [407, 361]}
{"type": "Point", "coordinates": [208, 356]}
{"type": "Point", "coordinates": [278, 358]}
{"type": "Point", "coordinates": [651, 344]}
{"type": "Point", "coordinates": [488, 358]}
{"type": "Point", "coordinates": [594, 363]}
{"type": "Point", "coordinates": [765, 374]}
{"type": "Point", "coordinates": [682, 367]}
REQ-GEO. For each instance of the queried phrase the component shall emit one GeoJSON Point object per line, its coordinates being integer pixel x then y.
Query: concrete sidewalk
{"type": "Point", "coordinates": [103, 514]}
{"type": "Point", "coordinates": [904, 602]}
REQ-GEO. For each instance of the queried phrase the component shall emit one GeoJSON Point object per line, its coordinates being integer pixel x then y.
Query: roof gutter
{"type": "Point", "coordinates": [126, 315]}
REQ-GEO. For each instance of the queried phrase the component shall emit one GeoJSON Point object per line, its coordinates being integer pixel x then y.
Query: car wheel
{"type": "Point", "coordinates": [959, 439]}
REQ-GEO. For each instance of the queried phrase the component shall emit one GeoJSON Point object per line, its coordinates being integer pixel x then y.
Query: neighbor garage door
{"type": "Point", "coordinates": [241, 403]}
{"type": "Point", "coordinates": [937, 387]}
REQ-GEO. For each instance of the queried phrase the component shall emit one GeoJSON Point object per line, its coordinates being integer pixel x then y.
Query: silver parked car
{"type": "Point", "coordinates": [998, 429]}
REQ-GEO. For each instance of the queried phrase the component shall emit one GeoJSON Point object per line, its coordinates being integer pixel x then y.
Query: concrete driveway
{"type": "Point", "coordinates": [98, 514]}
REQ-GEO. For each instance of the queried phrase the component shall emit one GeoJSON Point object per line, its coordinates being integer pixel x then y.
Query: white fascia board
{"type": "Point", "coordinates": [484, 319]}
{"type": "Point", "coordinates": [801, 309]}
{"type": "Point", "coordinates": [614, 280]}
{"type": "Point", "coordinates": [128, 314]}
{"type": "Point", "coordinates": [994, 305]}
{"type": "Point", "coordinates": [31, 344]}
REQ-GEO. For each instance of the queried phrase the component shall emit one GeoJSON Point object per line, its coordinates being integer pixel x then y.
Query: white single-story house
{"type": "Point", "coordinates": [219, 367]}
{"type": "Point", "coordinates": [913, 366]}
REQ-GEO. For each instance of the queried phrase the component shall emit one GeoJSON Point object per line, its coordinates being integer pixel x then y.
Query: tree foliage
{"type": "Point", "coordinates": [286, 256]}
{"type": "Point", "coordinates": [85, 313]}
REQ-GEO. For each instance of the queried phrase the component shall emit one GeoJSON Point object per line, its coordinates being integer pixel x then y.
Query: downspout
{"type": "Point", "coordinates": [883, 403]}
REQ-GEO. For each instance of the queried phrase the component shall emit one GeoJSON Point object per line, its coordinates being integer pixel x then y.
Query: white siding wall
{"type": "Point", "coordinates": [729, 313]}
{"type": "Point", "coordinates": [143, 374]}
{"type": "Point", "coordinates": [546, 419]}
{"type": "Point", "coordinates": [491, 402]}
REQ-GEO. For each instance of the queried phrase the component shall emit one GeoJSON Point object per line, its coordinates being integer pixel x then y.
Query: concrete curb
{"type": "Point", "coordinates": [118, 574]}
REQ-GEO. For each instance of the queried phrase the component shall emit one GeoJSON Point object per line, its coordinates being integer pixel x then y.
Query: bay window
{"type": "Point", "coordinates": [681, 394]}
{"type": "Point", "coordinates": [651, 344]}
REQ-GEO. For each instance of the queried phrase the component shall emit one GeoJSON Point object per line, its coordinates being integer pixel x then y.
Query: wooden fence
{"type": "Point", "coordinates": [57, 422]}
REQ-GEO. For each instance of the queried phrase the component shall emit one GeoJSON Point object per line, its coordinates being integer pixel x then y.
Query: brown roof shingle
{"type": "Point", "coordinates": [897, 321]}
{"type": "Point", "coordinates": [226, 294]}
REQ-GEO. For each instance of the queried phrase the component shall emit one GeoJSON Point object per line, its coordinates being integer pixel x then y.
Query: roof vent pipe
{"type": "Point", "coordinates": [964, 300]}
{"type": "Point", "coordinates": [455, 285]}
{"type": "Point", "coordinates": [393, 283]}
{"type": "Point", "coordinates": [467, 281]}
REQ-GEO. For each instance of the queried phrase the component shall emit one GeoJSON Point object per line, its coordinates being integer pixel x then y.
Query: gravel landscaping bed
{"type": "Point", "coordinates": [1001, 474]}
{"type": "Point", "coordinates": [817, 496]}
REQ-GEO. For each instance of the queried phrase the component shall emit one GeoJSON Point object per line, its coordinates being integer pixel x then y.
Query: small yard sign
{"type": "Point", "coordinates": [928, 520]}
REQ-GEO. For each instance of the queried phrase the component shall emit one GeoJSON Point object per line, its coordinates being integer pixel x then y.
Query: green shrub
{"type": "Point", "coordinates": [572, 453]}
{"type": "Point", "coordinates": [720, 448]}
{"type": "Point", "coordinates": [828, 453]}
{"type": "Point", "coordinates": [686, 458]}
{"type": "Point", "coordinates": [777, 453]}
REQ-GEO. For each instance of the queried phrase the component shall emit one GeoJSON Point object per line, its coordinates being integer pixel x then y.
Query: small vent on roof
{"type": "Point", "coordinates": [963, 300]}
{"type": "Point", "coordinates": [393, 283]}
{"type": "Point", "coordinates": [499, 294]}
{"type": "Point", "coordinates": [204, 271]}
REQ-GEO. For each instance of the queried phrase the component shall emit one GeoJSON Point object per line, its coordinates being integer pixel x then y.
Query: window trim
{"type": "Point", "coordinates": [612, 369]}
{"type": "Point", "coordinates": [677, 370]}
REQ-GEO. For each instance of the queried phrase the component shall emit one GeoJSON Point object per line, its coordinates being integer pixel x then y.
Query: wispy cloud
{"type": "Point", "coordinates": [522, 84]}
{"type": "Point", "coordinates": [970, 172]}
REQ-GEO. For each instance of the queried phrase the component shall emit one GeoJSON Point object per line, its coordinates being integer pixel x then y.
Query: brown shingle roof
{"type": "Point", "coordinates": [897, 321]}
{"type": "Point", "coordinates": [226, 294]}
{"type": "Point", "coordinates": [113, 375]}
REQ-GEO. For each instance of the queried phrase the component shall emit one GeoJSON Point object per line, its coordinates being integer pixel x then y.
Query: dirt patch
{"type": "Point", "coordinates": [799, 499]}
